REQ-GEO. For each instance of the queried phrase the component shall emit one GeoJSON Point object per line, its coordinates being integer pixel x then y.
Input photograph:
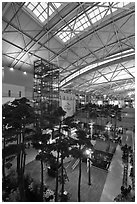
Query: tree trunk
{"type": "Point", "coordinates": [56, 190]}
{"type": "Point", "coordinates": [21, 187]}
{"type": "Point", "coordinates": [18, 154]}
{"type": "Point", "coordinates": [41, 188]}
{"type": "Point", "coordinates": [79, 180]}
{"type": "Point", "coordinates": [62, 178]}
{"type": "Point", "coordinates": [3, 168]}
{"type": "Point", "coordinates": [3, 160]}
{"type": "Point", "coordinates": [21, 157]}
{"type": "Point", "coordinates": [115, 121]}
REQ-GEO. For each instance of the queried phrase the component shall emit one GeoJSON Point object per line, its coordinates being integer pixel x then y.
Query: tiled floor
{"type": "Point", "coordinates": [88, 193]}
{"type": "Point", "coordinates": [114, 178]}
{"type": "Point", "coordinates": [105, 186]}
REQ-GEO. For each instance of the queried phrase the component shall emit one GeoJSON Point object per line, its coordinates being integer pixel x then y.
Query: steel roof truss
{"type": "Point", "coordinates": [19, 25]}
{"type": "Point", "coordinates": [126, 70]}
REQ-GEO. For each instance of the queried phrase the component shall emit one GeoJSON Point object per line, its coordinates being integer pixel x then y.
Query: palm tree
{"type": "Point", "coordinates": [58, 115]}
{"type": "Point", "coordinates": [22, 116]}
{"type": "Point", "coordinates": [6, 120]}
{"type": "Point", "coordinates": [41, 143]}
{"type": "Point", "coordinates": [80, 142]}
{"type": "Point", "coordinates": [115, 113]}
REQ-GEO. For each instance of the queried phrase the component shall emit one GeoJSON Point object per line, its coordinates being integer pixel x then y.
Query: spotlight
{"type": "Point", "coordinates": [11, 69]}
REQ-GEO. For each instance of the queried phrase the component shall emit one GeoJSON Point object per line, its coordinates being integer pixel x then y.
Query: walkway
{"type": "Point", "coordinates": [114, 178]}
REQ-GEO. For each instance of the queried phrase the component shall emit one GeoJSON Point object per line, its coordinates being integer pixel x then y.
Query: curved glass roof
{"type": "Point", "coordinates": [40, 9]}
{"type": "Point", "coordinates": [93, 43]}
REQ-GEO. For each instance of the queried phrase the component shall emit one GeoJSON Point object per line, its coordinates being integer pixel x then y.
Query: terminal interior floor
{"type": "Point", "coordinates": [105, 184]}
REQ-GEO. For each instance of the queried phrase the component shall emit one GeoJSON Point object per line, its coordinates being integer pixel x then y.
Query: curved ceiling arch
{"type": "Point", "coordinates": [75, 36]}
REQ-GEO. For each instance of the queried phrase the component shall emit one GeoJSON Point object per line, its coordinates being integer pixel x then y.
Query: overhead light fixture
{"type": "Point", "coordinates": [25, 73]}
{"type": "Point", "coordinates": [11, 69]}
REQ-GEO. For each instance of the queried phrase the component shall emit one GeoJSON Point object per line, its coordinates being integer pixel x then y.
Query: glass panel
{"type": "Point", "coordinates": [42, 18]}
{"type": "Point", "coordinates": [34, 3]}
{"type": "Point", "coordinates": [40, 9]}
{"type": "Point", "coordinates": [31, 7]}
{"type": "Point", "coordinates": [91, 14]}
{"type": "Point", "coordinates": [103, 13]}
{"type": "Point", "coordinates": [96, 12]}
{"type": "Point", "coordinates": [44, 5]}
{"type": "Point", "coordinates": [102, 9]}
{"type": "Point", "coordinates": [50, 11]}
{"type": "Point", "coordinates": [125, 3]}
{"type": "Point", "coordinates": [72, 35]}
{"type": "Point", "coordinates": [57, 5]}
{"type": "Point", "coordinates": [113, 9]}
{"type": "Point", "coordinates": [64, 40]}
{"type": "Point", "coordinates": [120, 4]}
{"type": "Point", "coordinates": [66, 28]}
{"type": "Point", "coordinates": [83, 20]}
{"type": "Point", "coordinates": [36, 12]}
{"type": "Point", "coordinates": [77, 24]}
{"type": "Point", "coordinates": [44, 15]}
{"type": "Point", "coordinates": [108, 12]}
{"type": "Point", "coordinates": [93, 20]}
{"type": "Point", "coordinates": [61, 36]}
{"type": "Point", "coordinates": [85, 25]}
{"type": "Point", "coordinates": [67, 37]}
{"type": "Point", "coordinates": [98, 17]}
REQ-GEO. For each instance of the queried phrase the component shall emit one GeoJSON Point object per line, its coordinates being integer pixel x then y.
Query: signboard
{"type": "Point", "coordinates": [69, 107]}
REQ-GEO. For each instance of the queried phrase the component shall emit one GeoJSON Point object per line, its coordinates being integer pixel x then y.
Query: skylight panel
{"type": "Point", "coordinates": [57, 5]}
{"type": "Point", "coordinates": [64, 39]}
{"type": "Point", "coordinates": [72, 34]}
{"type": "Point", "coordinates": [77, 25]}
{"type": "Point", "coordinates": [125, 3]}
{"type": "Point", "coordinates": [83, 20]}
{"type": "Point", "coordinates": [67, 37]}
{"type": "Point", "coordinates": [98, 17]}
{"type": "Point", "coordinates": [93, 20]}
{"type": "Point", "coordinates": [50, 11]}
{"type": "Point", "coordinates": [44, 5]}
{"type": "Point", "coordinates": [102, 11]}
{"type": "Point", "coordinates": [66, 28]}
{"type": "Point", "coordinates": [96, 12]}
{"type": "Point", "coordinates": [61, 36]}
{"type": "Point", "coordinates": [113, 10]}
{"type": "Point", "coordinates": [86, 25]}
{"type": "Point", "coordinates": [36, 12]}
{"type": "Point", "coordinates": [66, 33]}
{"type": "Point", "coordinates": [31, 7]}
{"type": "Point", "coordinates": [108, 12]}
{"type": "Point", "coordinates": [44, 14]}
{"type": "Point", "coordinates": [91, 13]}
{"type": "Point", "coordinates": [42, 18]}
{"type": "Point", "coordinates": [34, 3]}
{"type": "Point", "coordinates": [40, 9]}
{"type": "Point", "coordinates": [120, 4]}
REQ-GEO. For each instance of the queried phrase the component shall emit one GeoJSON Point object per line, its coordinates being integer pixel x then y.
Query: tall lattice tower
{"type": "Point", "coordinates": [46, 88]}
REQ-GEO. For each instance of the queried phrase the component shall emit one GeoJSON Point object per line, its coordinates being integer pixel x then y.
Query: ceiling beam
{"type": "Point", "coordinates": [95, 29]}
{"type": "Point", "coordinates": [98, 67]}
